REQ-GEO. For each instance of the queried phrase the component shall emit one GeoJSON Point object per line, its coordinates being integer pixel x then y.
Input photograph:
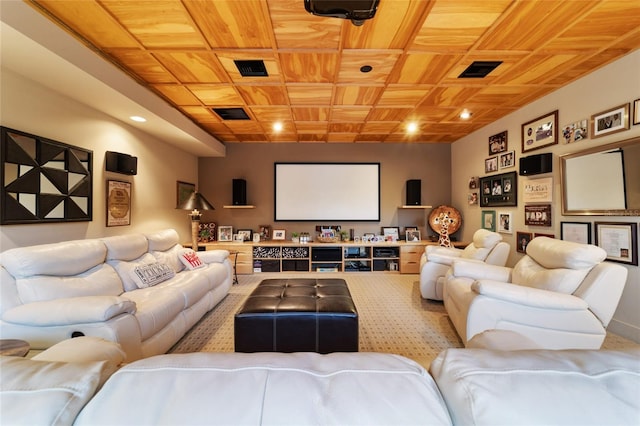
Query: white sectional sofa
{"type": "Point", "coordinates": [111, 288]}
{"type": "Point", "coordinates": [462, 387]}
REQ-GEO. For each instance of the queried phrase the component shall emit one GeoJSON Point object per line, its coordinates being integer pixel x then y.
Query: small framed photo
{"type": "Point", "coordinates": [118, 203]}
{"type": "Point", "coordinates": [498, 143]}
{"type": "Point", "coordinates": [279, 234]}
{"type": "Point", "coordinates": [611, 121]}
{"type": "Point", "coordinates": [504, 223]}
{"type": "Point", "coordinates": [391, 233]}
{"type": "Point", "coordinates": [489, 220]}
{"type": "Point", "coordinates": [540, 132]}
{"type": "Point", "coordinates": [619, 240]}
{"type": "Point", "coordinates": [225, 233]}
{"type": "Point", "coordinates": [413, 235]}
{"type": "Point", "coordinates": [238, 238]}
{"type": "Point", "coordinates": [636, 112]}
{"type": "Point", "coordinates": [184, 191]}
{"type": "Point", "coordinates": [246, 234]}
{"type": "Point", "coordinates": [491, 164]}
{"type": "Point", "coordinates": [473, 182]}
{"type": "Point", "coordinates": [256, 237]}
{"type": "Point", "coordinates": [537, 215]}
{"type": "Point", "coordinates": [575, 132]}
{"type": "Point", "coordinates": [508, 159]}
{"type": "Point", "coordinates": [264, 232]}
{"type": "Point", "coordinates": [472, 198]}
{"type": "Point", "coordinates": [522, 240]}
{"type": "Point", "coordinates": [578, 232]}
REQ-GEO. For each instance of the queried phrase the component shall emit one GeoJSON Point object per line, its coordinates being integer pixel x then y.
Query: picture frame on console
{"type": "Point", "coordinates": [619, 240]}
{"type": "Point", "coordinates": [264, 232]}
{"type": "Point", "coordinates": [413, 235]}
{"type": "Point", "coordinates": [391, 233]}
{"type": "Point", "coordinates": [279, 234]}
{"type": "Point", "coordinates": [225, 233]}
{"type": "Point", "coordinates": [247, 234]}
{"type": "Point", "coordinates": [540, 132]}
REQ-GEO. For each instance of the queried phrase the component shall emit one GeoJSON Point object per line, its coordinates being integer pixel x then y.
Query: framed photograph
{"type": "Point", "coordinates": [489, 220]}
{"type": "Point", "coordinates": [636, 112]}
{"type": "Point", "coordinates": [472, 198]}
{"type": "Point", "coordinates": [473, 182]}
{"type": "Point", "coordinates": [498, 143]}
{"type": "Point", "coordinates": [619, 240]}
{"type": "Point", "coordinates": [184, 191]}
{"type": "Point", "coordinates": [499, 190]}
{"type": "Point", "coordinates": [391, 233]}
{"type": "Point", "coordinates": [118, 203]}
{"type": "Point", "coordinates": [491, 164]}
{"type": "Point", "coordinates": [413, 235]}
{"type": "Point", "coordinates": [238, 238]}
{"type": "Point", "coordinates": [279, 234]}
{"type": "Point", "coordinates": [538, 234]}
{"type": "Point", "coordinates": [256, 237]}
{"type": "Point", "coordinates": [225, 233]}
{"type": "Point", "coordinates": [538, 190]}
{"type": "Point", "coordinates": [578, 232]}
{"type": "Point", "coordinates": [540, 132]}
{"type": "Point", "coordinates": [508, 159]}
{"type": "Point", "coordinates": [247, 234]}
{"type": "Point", "coordinates": [504, 223]}
{"type": "Point", "coordinates": [264, 232]}
{"type": "Point", "coordinates": [611, 121]}
{"type": "Point", "coordinates": [575, 132]}
{"type": "Point", "coordinates": [522, 240]}
{"type": "Point", "coordinates": [537, 215]}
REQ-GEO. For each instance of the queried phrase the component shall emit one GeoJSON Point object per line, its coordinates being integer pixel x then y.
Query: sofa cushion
{"type": "Point", "coordinates": [529, 273]}
{"type": "Point", "coordinates": [213, 256]}
{"type": "Point", "coordinates": [151, 274]}
{"type": "Point", "coordinates": [483, 242]}
{"type": "Point", "coordinates": [552, 253]}
{"type": "Point", "coordinates": [171, 257]}
{"type": "Point", "coordinates": [541, 387]}
{"type": "Point", "coordinates": [191, 260]}
{"type": "Point", "coordinates": [45, 393]}
{"type": "Point", "coordinates": [157, 306]}
{"type": "Point", "coordinates": [125, 269]}
{"type": "Point", "coordinates": [162, 240]}
{"type": "Point", "coordinates": [125, 247]}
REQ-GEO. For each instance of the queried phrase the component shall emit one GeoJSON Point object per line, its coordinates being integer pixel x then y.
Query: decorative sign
{"type": "Point", "coordinates": [538, 190]}
{"type": "Point", "coordinates": [118, 203]}
{"type": "Point", "coordinates": [537, 215]}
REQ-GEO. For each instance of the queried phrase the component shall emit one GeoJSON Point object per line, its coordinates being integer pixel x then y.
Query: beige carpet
{"type": "Point", "coordinates": [393, 318]}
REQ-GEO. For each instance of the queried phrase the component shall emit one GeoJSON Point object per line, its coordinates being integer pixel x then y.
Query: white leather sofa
{"type": "Point", "coordinates": [104, 288]}
{"type": "Point", "coordinates": [560, 295]}
{"type": "Point", "coordinates": [464, 387]}
{"type": "Point", "coordinates": [486, 247]}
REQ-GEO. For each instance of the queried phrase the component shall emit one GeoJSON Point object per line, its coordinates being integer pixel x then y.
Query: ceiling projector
{"type": "Point", "coordinates": [357, 11]}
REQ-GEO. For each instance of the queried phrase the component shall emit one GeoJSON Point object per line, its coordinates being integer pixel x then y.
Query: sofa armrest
{"type": "Point", "coordinates": [75, 310]}
{"type": "Point", "coordinates": [441, 258]}
{"type": "Point", "coordinates": [528, 296]}
{"type": "Point", "coordinates": [213, 256]}
{"type": "Point", "coordinates": [478, 270]}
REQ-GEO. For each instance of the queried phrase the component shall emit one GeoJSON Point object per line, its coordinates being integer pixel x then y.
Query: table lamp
{"type": "Point", "coordinates": [196, 202]}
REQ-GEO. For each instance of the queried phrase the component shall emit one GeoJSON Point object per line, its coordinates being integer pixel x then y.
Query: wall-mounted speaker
{"type": "Point", "coordinates": [414, 192]}
{"type": "Point", "coordinates": [536, 164]}
{"type": "Point", "coordinates": [121, 163]}
{"type": "Point", "coordinates": [239, 192]}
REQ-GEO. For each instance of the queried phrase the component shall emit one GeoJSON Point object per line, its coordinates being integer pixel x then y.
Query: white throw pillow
{"type": "Point", "coordinates": [170, 257]}
{"type": "Point", "coordinates": [149, 275]}
{"type": "Point", "coordinates": [191, 260]}
{"type": "Point", "coordinates": [125, 269]}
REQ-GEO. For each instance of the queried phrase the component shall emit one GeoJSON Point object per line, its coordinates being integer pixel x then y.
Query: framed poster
{"type": "Point", "coordinates": [611, 121]}
{"type": "Point", "coordinates": [619, 240]}
{"type": "Point", "coordinates": [538, 190]}
{"type": "Point", "coordinates": [118, 203]}
{"type": "Point", "coordinates": [183, 192]}
{"type": "Point", "coordinates": [540, 132]}
{"type": "Point", "coordinates": [537, 215]}
{"type": "Point", "coordinates": [499, 190]}
{"type": "Point", "coordinates": [578, 232]}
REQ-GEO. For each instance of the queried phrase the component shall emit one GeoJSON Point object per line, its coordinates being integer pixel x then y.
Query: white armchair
{"type": "Point", "coordinates": [486, 247]}
{"type": "Point", "coordinates": [561, 295]}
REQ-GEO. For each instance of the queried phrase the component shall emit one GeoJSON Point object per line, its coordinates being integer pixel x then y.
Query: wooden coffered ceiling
{"type": "Point", "coordinates": [184, 50]}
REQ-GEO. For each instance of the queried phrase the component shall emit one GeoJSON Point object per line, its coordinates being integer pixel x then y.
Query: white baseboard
{"type": "Point", "coordinates": [628, 331]}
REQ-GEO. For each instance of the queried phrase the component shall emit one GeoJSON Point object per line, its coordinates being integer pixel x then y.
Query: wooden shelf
{"type": "Point", "coordinates": [416, 207]}
{"type": "Point", "coordinates": [239, 207]}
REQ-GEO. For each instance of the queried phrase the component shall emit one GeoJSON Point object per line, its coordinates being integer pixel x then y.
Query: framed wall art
{"type": "Point", "coordinates": [610, 121]}
{"type": "Point", "coordinates": [636, 112]}
{"type": "Point", "coordinates": [619, 240]}
{"type": "Point", "coordinates": [504, 223]}
{"type": "Point", "coordinates": [118, 203]}
{"type": "Point", "coordinates": [508, 159]}
{"type": "Point", "coordinates": [184, 191]}
{"type": "Point", "coordinates": [491, 164]}
{"type": "Point", "coordinates": [522, 240]}
{"type": "Point", "coordinates": [578, 232]}
{"type": "Point", "coordinates": [498, 143]}
{"type": "Point", "coordinates": [489, 220]}
{"type": "Point", "coordinates": [499, 190]}
{"type": "Point", "coordinates": [540, 132]}
{"type": "Point", "coordinates": [537, 215]}
{"type": "Point", "coordinates": [575, 132]}
{"type": "Point", "coordinates": [538, 190]}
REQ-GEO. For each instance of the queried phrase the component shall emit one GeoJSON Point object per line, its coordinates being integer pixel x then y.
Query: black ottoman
{"type": "Point", "coordinates": [298, 315]}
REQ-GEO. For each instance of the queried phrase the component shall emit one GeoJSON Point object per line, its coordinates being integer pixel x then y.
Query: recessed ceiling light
{"type": "Point", "coordinates": [465, 115]}
{"type": "Point", "coordinates": [277, 126]}
{"type": "Point", "coordinates": [412, 127]}
{"type": "Point", "coordinates": [138, 118]}
{"type": "Point", "coordinates": [366, 68]}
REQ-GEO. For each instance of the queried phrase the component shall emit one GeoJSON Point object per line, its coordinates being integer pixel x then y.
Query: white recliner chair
{"type": "Point", "coordinates": [561, 295]}
{"type": "Point", "coordinates": [486, 247]}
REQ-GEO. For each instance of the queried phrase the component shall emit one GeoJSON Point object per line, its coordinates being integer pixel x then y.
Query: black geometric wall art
{"type": "Point", "coordinates": [43, 180]}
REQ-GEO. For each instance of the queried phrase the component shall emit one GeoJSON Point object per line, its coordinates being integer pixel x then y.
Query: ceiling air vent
{"type": "Point", "coordinates": [231, 113]}
{"type": "Point", "coordinates": [254, 68]}
{"type": "Point", "coordinates": [479, 69]}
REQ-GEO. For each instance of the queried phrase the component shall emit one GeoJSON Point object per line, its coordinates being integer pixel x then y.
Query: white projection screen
{"type": "Point", "coordinates": [327, 192]}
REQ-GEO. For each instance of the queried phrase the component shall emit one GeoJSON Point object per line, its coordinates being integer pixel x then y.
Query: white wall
{"type": "Point", "coordinates": [609, 87]}
{"type": "Point", "coordinates": [32, 108]}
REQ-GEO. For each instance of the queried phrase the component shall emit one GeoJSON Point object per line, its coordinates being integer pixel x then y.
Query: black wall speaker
{"type": "Point", "coordinates": [536, 164]}
{"type": "Point", "coordinates": [239, 192]}
{"type": "Point", "coordinates": [414, 192]}
{"type": "Point", "coordinates": [121, 163]}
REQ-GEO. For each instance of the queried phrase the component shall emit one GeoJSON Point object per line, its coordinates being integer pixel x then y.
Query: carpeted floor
{"type": "Point", "coordinates": [393, 318]}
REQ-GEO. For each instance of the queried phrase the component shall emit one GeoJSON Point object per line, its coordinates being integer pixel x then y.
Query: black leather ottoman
{"type": "Point", "coordinates": [298, 315]}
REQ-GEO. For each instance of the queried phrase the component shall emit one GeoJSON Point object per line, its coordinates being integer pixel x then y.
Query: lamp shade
{"type": "Point", "coordinates": [196, 202]}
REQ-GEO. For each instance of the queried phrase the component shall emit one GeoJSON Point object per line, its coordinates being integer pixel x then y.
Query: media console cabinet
{"type": "Point", "coordinates": [286, 256]}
